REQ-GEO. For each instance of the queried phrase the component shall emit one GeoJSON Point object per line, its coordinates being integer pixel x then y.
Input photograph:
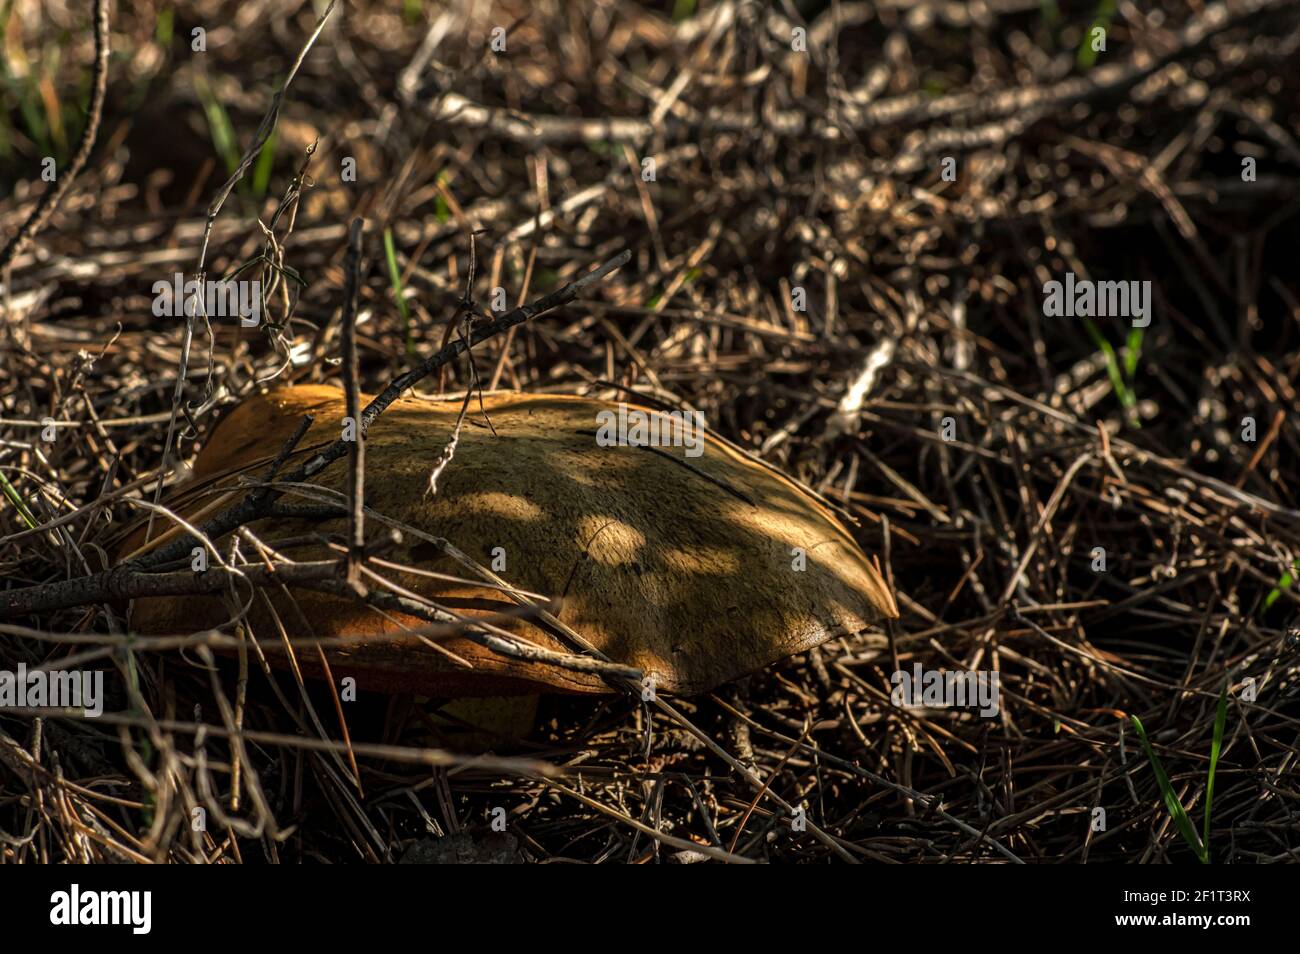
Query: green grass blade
{"type": "Point", "coordinates": [1113, 371]}
{"type": "Point", "coordinates": [220, 127]}
{"type": "Point", "coordinates": [1132, 353]}
{"type": "Point", "coordinates": [162, 27]}
{"type": "Point", "coordinates": [683, 10]}
{"type": "Point", "coordinates": [1175, 807]}
{"type": "Point", "coordinates": [16, 499]}
{"type": "Point", "coordinates": [1285, 582]}
{"type": "Point", "coordinates": [1216, 746]}
{"type": "Point", "coordinates": [395, 279]}
{"type": "Point", "coordinates": [30, 108]}
{"type": "Point", "coordinates": [1087, 56]}
{"type": "Point", "coordinates": [262, 166]}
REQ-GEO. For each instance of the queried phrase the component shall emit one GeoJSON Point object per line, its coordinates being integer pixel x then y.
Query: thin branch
{"type": "Point", "coordinates": [352, 397]}
{"type": "Point", "coordinates": [48, 202]}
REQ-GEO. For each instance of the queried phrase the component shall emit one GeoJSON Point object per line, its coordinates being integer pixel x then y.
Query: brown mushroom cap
{"type": "Point", "coordinates": [684, 567]}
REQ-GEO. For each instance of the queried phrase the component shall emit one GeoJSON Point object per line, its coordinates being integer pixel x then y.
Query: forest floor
{"type": "Point", "coordinates": [845, 222]}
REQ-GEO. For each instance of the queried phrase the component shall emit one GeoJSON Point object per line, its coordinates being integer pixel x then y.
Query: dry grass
{"type": "Point", "coordinates": [774, 169]}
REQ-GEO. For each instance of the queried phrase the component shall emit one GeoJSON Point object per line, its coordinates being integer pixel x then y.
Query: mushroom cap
{"type": "Point", "coordinates": [687, 567]}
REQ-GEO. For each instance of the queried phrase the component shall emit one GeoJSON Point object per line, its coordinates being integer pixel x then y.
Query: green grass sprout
{"type": "Point", "coordinates": [395, 279]}
{"type": "Point", "coordinates": [1113, 370]}
{"type": "Point", "coordinates": [1200, 844]}
{"type": "Point", "coordinates": [1087, 56]}
{"type": "Point", "coordinates": [16, 499]}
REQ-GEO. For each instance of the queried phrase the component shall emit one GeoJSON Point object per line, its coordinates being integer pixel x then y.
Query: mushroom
{"type": "Point", "coordinates": [695, 564]}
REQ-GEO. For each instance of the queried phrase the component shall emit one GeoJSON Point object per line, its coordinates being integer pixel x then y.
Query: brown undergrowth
{"type": "Point", "coordinates": [990, 453]}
